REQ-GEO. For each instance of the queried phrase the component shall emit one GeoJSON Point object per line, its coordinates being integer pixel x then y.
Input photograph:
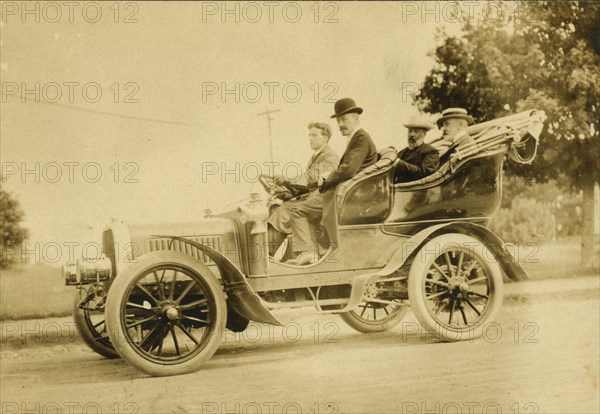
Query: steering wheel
{"type": "Point", "coordinates": [273, 188]}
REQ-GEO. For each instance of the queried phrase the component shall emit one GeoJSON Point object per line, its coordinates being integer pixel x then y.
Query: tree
{"type": "Point", "coordinates": [11, 232]}
{"type": "Point", "coordinates": [549, 62]}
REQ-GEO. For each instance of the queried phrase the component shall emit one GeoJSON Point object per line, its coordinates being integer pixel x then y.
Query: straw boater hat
{"type": "Point", "coordinates": [419, 122]}
{"type": "Point", "coordinates": [458, 113]}
{"type": "Point", "coordinates": [345, 106]}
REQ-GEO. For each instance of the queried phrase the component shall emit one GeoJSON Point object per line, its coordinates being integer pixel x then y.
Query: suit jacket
{"type": "Point", "coordinates": [359, 154]}
{"type": "Point", "coordinates": [416, 163]}
{"type": "Point", "coordinates": [322, 163]}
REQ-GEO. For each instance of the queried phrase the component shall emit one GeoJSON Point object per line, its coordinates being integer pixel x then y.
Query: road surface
{"type": "Point", "coordinates": [542, 356]}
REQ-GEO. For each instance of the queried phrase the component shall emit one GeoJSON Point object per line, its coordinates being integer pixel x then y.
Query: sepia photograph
{"type": "Point", "coordinates": [317, 207]}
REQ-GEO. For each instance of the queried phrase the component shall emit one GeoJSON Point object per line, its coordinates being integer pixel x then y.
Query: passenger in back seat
{"type": "Point", "coordinates": [418, 159]}
{"type": "Point", "coordinates": [453, 123]}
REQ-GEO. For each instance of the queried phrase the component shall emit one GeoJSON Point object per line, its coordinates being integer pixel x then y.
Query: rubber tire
{"type": "Point", "coordinates": [361, 325]}
{"type": "Point", "coordinates": [88, 334]}
{"type": "Point", "coordinates": [115, 300]}
{"type": "Point", "coordinates": [420, 268]}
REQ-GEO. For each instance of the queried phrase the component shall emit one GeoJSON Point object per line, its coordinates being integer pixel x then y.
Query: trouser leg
{"type": "Point", "coordinates": [330, 218]}
{"type": "Point", "coordinates": [275, 239]}
{"type": "Point", "coordinates": [300, 215]}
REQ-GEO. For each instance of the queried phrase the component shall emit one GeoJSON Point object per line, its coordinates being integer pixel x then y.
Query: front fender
{"type": "Point", "coordinates": [405, 248]}
{"type": "Point", "coordinates": [239, 293]}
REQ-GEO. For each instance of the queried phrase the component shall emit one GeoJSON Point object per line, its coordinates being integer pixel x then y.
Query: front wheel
{"type": "Point", "coordinates": [455, 287]}
{"type": "Point", "coordinates": [88, 313]}
{"type": "Point", "coordinates": [166, 314]}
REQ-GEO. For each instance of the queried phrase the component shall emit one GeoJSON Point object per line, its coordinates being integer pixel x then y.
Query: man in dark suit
{"type": "Point", "coordinates": [418, 159]}
{"type": "Point", "coordinates": [360, 153]}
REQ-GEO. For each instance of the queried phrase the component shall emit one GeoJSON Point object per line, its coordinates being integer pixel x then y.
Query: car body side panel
{"type": "Point", "coordinates": [473, 190]}
{"type": "Point", "coordinates": [404, 248]}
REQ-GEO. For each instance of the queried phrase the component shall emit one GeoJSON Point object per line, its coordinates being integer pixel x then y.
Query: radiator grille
{"type": "Point", "coordinates": [178, 246]}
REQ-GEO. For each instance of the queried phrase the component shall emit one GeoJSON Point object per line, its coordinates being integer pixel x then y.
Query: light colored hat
{"type": "Point", "coordinates": [450, 113]}
{"type": "Point", "coordinates": [419, 122]}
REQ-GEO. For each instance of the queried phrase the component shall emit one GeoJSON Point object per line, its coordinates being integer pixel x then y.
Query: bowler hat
{"type": "Point", "coordinates": [345, 106]}
{"type": "Point", "coordinates": [419, 122]}
{"type": "Point", "coordinates": [458, 113]}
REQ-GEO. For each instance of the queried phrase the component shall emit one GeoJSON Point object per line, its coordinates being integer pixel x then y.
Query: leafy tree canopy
{"type": "Point", "coordinates": [549, 61]}
{"type": "Point", "coordinates": [11, 232]}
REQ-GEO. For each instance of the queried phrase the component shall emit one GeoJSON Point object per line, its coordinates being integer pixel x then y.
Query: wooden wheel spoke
{"type": "Point", "coordinates": [449, 264]}
{"type": "Point", "coordinates": [479, 279]}
{"type": "Point", "coordinates": [160, 346]}
{"type": "Point", "coordinates": [442, 304]}
{"type": "Point", "coordinates": [471, 266]}
{"type": "Point", "coordinates": [98, 324]}
{"type": "Point", "coordinates": [187, 290]}
{"type": "Point", "coordinates": [191, 318]}
{"type": "Point", "coordinates": [481, 295]}
{"type": "Point", "coordinates": [148, 336]}
{"type": "Point", "coordinates": [437, 282]}
{"type": "Point", "coordinates": [175, 342]}
{"type": "Point", "coordinates": [439, 269]}
{"type": "Point", "coordinates": [161, 288]}
{"type": "Point", "coordinates": [172, 292]}
{"type": "Point", "coordinates": [194, 304]}
{"type": "Point", "coordinates": [141, 307]}
{"type": "Point", "coordinates": [460, 262]}
{"type": "Point", "coordinates": [364, 309]}
{"type": "Point", "coordinates": [147, 292]}
{"type": "Point", "coordinates": [189, 334]}
{"type": "Point", "coordinates": [451, 312]}
{"type": "Point", "coordinates": [472, 306]}
{"type": "Point", "coordinates": [462, 312]}
{"type": "Point", "coordinates": [435, 295]}
{"type": "Point", "coordinates": [141, 321]}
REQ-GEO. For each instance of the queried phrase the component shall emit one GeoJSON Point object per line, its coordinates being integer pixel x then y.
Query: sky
{"type": "Point", "coordinates": [149, 112]}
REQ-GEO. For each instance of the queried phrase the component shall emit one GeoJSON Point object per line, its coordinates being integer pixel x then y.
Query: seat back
{"type": "Point", "coordinates": [366, 198]}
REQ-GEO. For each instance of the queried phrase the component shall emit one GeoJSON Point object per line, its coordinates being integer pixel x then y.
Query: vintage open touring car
{"type": "Point", "coordinates": [161, 295]}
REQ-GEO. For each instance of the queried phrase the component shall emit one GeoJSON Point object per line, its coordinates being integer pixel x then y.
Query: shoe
{"type": "Point", "coordinates": [304, 258]}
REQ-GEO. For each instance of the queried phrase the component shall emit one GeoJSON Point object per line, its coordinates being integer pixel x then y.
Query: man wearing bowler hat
{"type": "Point", "coordinates": [360, 153]}
{"type": "Point", "coordinates": [418, 159]}
{"type": "Point", "coordinates": [453, 123]}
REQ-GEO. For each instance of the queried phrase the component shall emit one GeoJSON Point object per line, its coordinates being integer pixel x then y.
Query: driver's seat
{"type": "Point", "coordinates": [366, 198]}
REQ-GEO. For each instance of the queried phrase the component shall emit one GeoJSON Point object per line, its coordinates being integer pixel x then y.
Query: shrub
{"type": "Point", "coordinates": [527, 220]}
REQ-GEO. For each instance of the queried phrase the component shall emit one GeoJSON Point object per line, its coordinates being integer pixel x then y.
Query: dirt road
{"type": "Point", "coordinates": [542, 356]}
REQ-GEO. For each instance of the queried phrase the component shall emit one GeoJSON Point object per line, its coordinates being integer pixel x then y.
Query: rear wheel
{"type": "Point", "coordinates": [455, 287]}
{"type": "Point", "coordinates": [166, 314]}
{"type": "Point", "coordinates": [88, 313]}
{"type": "Point", "coordinates": [370, 317]}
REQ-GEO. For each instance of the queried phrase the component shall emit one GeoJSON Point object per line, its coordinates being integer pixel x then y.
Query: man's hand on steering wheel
{"type": "Point", "coordinates": [280, 180]}
{"type": "Point", "coordinates": [277, 185]}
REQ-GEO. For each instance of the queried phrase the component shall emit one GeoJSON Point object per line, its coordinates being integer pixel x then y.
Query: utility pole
{"type": "Point", "coordinates": [269, 119]}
